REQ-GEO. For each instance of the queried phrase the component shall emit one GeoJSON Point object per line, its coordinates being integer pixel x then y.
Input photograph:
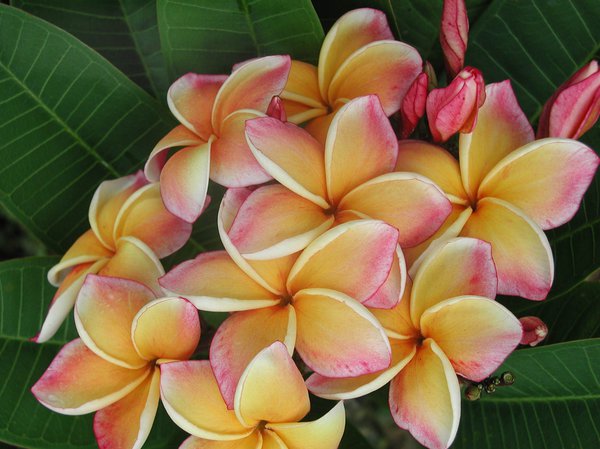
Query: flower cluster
{"type": "Point", "coordinates": [351, 259]}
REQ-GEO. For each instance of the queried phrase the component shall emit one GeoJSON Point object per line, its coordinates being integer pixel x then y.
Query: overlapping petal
{"type": "Point", "coordinates": [252, 441]}
{"type": "Point", "coordinates": [512, 233]}
{"type": "Point", "coordinates": [301, 96]}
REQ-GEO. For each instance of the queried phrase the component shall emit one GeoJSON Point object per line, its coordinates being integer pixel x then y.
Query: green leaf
{"type": "Point", "coordinates": [68, 119]}
{"type": "Point", "coordinates": [24, 297]}
{"type": "Point", "coordinates": [123, 31]}
{"type": "Point", "coordinates": [554, 403]}
{"type": "Point", "coordinates": [204, 36]}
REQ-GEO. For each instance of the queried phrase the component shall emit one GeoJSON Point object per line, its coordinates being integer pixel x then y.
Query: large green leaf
{"type": "Point", "coordinates": [209, 37]}
{"type": "Point", "coordinates": [68, 119]}
{"type": "Point", "coordinates": [24, 297]}
{"type": "Point", "coordinates": [123, 31]}
{"type": "Point", "coordinates": [554, 404]}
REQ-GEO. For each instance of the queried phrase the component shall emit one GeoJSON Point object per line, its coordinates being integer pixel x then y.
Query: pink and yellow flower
{"type": "Point", "coordinates": [313, 302]}
{"type": "Point", "coordinates": [447, 325]}
{"type": "Point", "coordinates": [270, 399]}
{"type": "Point", "coordinates": [506, 190]}
{"type": "Point", "coordinates": [350, 177]}
{"type": "Point", "coordinates": [130, 231]}
{"type": "Point", "coordinates": [212, 110]}
{"type": "Point", "coordinates": [358, 57]}
{"type": "Point", "coordinates": [126, 333]}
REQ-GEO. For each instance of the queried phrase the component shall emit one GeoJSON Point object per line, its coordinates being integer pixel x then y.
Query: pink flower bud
{"type": "Point", "coordinates": [276, 109]}
{"type": "Point", "coordinates": [574, 107]}
{"type": "Point", "coordinates": [454, 108]}
{"type": "Point", "coordinates": [454, 32]}
{"type": "Point", "coordinates": [534, 330]}
{"type": "Point", "coordinates": [413, 105]}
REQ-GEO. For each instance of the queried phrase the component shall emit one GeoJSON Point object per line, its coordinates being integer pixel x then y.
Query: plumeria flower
{"type": "Point", "coordinates": [212, 110]}
{"type": "Point", "coordinates": [447, 325]}
{"type": "Point", "coordinates": [313, 302]}
{"type": "Point", "coordinates": [130, 231]}
{"type": "Point", "coordinates": [126, 333]}
{"type": "Point", "coordinates": [351, 177]}
{"type": "Point", "coordinates": [358, 57]}
{"type": "Point", "coordinates": [506, 190]}
{"type": "Point", "coordinates": [270, 399]}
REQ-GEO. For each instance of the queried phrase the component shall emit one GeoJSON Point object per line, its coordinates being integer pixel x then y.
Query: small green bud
{"type": "Point", "coordinates": [507, 378]}
{"type": "Point", "coordinates": [472, 392]}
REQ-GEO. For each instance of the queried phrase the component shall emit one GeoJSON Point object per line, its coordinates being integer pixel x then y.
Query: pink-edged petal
{"type": "Point", "coordinates": [270, 274]}
{"type": "Point", "coordinates": [107, 202]}
{"type": "Point", "coordinates": [425, 397]}
{"type": "Point", "coordinates": [324, 433]}
{"type": "Point", "coordinates": [184, 181]}
{"type": "Point", "coordinates": [354, 258]}
{"type": "Point", "coordinates": [251, 86]}
{"type": "Point", "coordinates": [243, 335]}
{"type": "Point", "coordinates": [86, 249]}
{"type": "Point", "coordinates": [475, 334]}
{"type": "Point", "coordinates": [126, 424]}
{"type": "Point", "coordinates": [384, 68]}
{"type": "Point", "coordinates": [191, 396]}
{"type": "Point", "coordinates": [435, 163]}
{"type": "Point", "coordinates": [351, 31]}
{"type": "Point", "coordinates": [232, 161]}
{"type": "Point", "coordinates": [104, 312]}
{"type": "Point", "coordinates": [390, 292]}
{"type": "Point", "coordinates": [546, 179]}
{"type": "Point", "coordinates": [64, 299]}
{"type": "Point", "coordinates": [166, 328]}
{"type": "Point", "coordinates": [252, 441]}
{"type": "Point", "coordinates": [291, 155]}
{"type": "Point", "coordinates": [410, 202]}
{"type": "Point", "coordinates": [271, 389]}
{"type": "Point", "coordinates": [191, 100]}
{"type": "Point", "coordinates": [337, 336]}
{"type": "Point", "coordinates": [501, 128]}
{"type": "Point", "coordinates": [354, 387]}
{"type": "Point", "coordinates": [361, 145]}
{"type": "Point", "coordinates": [213, 282]}
{"type": "Point", "coordinates": [145, 217]}
{"type": "Point", "coordinates": [275, 222]}
{"type": "Point", "coordinates": [134, 260]}
{"type": "Point", "coordinates": [520, 248]}
{"type": "Point", "coordinates": [78, 381]}
{"type": "Point", "coordinates": [179, 136]}
{"type": "Point", "coordinates": [460, 266]}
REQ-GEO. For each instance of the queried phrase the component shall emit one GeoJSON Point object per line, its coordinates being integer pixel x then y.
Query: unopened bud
{"type": "Point", "coordinates": [534, 330]}
{"type": "Point", "coordinates": [472, 392]}
{"type": "Point", "coordinates": [507, 378]}
{"type": "Point", "coordinates": [276, 109]}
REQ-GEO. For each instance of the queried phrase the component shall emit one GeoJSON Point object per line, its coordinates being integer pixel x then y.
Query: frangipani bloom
{"type": "Point", "coordinates": [447, 325]}
{"type": "Point", "coordinates": [351, 177]}
{"type": "Point", "coordinates": [507, 189]}
{"type": "Point", "coordinates": [212, 110]}
{"type": "Point", "coordinates": [358, 57]}
{"type": "Point", "coordinates": [312, 302]}
{"type": "Point", "coordinates": [113, 368]}
{"type": "Point", "coordinates": [270, 399]}
{"type": "Point", "coordinates": [130, 231]}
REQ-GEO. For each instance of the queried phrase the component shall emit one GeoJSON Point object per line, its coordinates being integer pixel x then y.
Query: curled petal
{"type": "Point", "coordinates": [338, 336]}
{"type": "Point", "coordinates": [411, 203]}
{"type": "Point", "coordinates": [546, 179]}
{"type": "Point", "coordinates": [191, 100]}
{"type": "Point", "coordinates": [458, 267]}
{"type": "Point", "coordinates": [392, 289]}
{"type": "Point", "coordinates": [104, 312]}
{"type": "Point", "coordinates": [126, 424]}
{"type": "Point", "coordinates": [271, 389]}
{"type": "Point", "coordinates": [425, 397]}
{"type": "Point", "coordinates": [475, 334]}
{"type": "Point", "coordinates": [213, 282]}
{"type": "Point", "coordinates": [251, 86]}
{"type": "Point", "coordinates": [243, 335]}
{"type": "Point", "coordinates": [396, 321]}
{"type": "Point", "coordinates": [191, 396]}
{"type": "Point", "coordinates": [361, 145]}
{"type": "Point", "coordinates": [324, 433]}
{"type": "Point", "coordinates": [520, 248]}
{"type": "Point", "coordinates": [79, 382]}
